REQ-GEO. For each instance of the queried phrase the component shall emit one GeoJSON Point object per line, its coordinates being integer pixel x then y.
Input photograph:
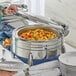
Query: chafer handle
{"type": "Point", "coordinates": [63, 25]}
{"type": "Point", "coordinates": [62, 43]}
{"type": "Point", "coordinates": [45, 49]}
{"type": "Point", "coordinates": [65, 30]}
{"type": "Point", "coordinates": [30, 59]}
{"type": "Point", "coordinates": [30, 63]}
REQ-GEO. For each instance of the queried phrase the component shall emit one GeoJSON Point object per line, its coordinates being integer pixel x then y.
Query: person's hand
{"type": "Point", "coordinates": [12, 9]}
{"type": "Point", "coordinates": [7, 73]}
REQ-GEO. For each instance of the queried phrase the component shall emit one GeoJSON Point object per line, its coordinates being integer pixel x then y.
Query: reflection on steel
{"type": "Point", "coordinates": [3, 53]}
{"type": "Point", "coordinates": [30, 59]}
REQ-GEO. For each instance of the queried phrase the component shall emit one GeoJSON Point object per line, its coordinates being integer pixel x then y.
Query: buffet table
{"type": "Point", "coordinates": [48, 68]}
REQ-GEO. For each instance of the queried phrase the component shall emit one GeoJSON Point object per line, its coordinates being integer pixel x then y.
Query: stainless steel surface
{"type": "Point", "coordinates": [3, 53]}
{"type": "Point", "coordinates": [14, 21]}
{"type": "Point", "coordinates": [40, 19]}
{"type": "Point", "coordinates": [22, 47]}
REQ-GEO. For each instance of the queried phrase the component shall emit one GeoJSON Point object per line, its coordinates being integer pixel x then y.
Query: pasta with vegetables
{"type": "Point", "coordinates": [38, 35]}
